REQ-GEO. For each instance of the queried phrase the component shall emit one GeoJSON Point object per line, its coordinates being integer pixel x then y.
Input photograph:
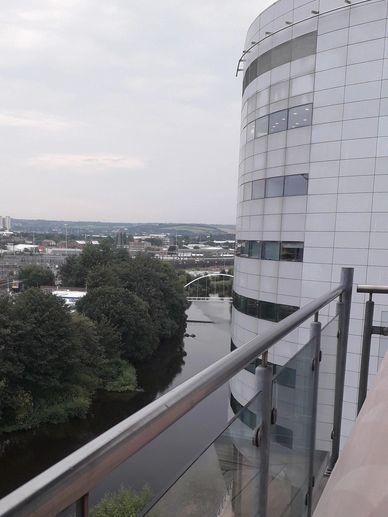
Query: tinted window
{"type": "Point", "coordinates": [295, 185]}
{"type": "Point", "coordinates": [281, 54]}
{"type": "Point", "coordinates": [267, 311]}
{"type": "Point", "coordinates": [292, 251]}
{"type": "Point", "coordinates": [252, 307]}
{"type": "Point", "coordinates": [274, 186]}
{"type": "Point", "coordinates": [300, 116]}
{"type": "Point", "coordinates": [258, 187]}
{"type": "Point", "coordinates": [285, 310]}
{"type": "Point", "coordinates": [304, 45]}
{"type": "Point", "coordinates": [301, 46]}
{"type": "Point", "coordinates": [247, 191]}
{"type": "Point", "coordinates": [242, 248]}
{"type": "Point", "coordinates": [278, 121]}
{"type": "Point", "coordinates": [270, 250]}
{"type": "Point", "coordinates": [264, 63]}
{"type": "Point", "coordinates": [262, 126]}
{"type": "Point", "coordinates": [253, 71]}
{"type": "Point", "coordinates": [254, 249]}
{"type": "Point", "coordinates": [251, 104]}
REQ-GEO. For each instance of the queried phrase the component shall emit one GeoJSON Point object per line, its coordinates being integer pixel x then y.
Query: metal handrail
{"type": "Point", "coordinates": [70, 479]}
{"type": "Point", "coordinates": [368, 331]}
{"type": "Point", "coordinates": [378, 289]}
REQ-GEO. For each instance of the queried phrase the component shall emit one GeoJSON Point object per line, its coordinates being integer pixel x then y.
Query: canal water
{"type": "Point", "coordinates": [23, 455]}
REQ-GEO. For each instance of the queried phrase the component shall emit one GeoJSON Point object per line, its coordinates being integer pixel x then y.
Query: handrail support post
{"type": "Point", "coordinates": [315, 334]}
{"type": "Point", "coordinates": [343, 309]}
{"type": "Point", "coordinates": [365, 354]}
{"type": "Point", "coordinates": [266, 413]}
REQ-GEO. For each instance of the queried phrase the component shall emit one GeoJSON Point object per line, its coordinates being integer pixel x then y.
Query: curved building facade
{"type": "Point", "coordinates": [313, 172]}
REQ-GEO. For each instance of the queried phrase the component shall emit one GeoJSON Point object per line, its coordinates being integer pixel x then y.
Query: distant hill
{"type": "Point", "coordinates": [99, 228]}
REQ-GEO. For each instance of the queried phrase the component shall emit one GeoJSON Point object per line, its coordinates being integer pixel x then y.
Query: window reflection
{"type": "Point", "coordinates": [291, 118]}
{"type": "Point", "coordinates": [295, 185]}
{"type": "Point", "coordinates": [270, 250]}
{"type": "Point", "coordinates": [258, 188]}
{"type": "Point", "coordinates": [274, 186]}
{"type": "Point", "coordinates": [247, 191]}
{"type": "Point", "coordinates": [278, 121]}
{"type": "Point", "coordinates": [250, 131]}
{"type": "Point", "coordinates": [291, 251]}
{"type": "Point", "coordinates": [262, 126]}
{"type": "Point", "coordinates": [261, 309]}
{"type": "Point", "coordinates": [300, 116]}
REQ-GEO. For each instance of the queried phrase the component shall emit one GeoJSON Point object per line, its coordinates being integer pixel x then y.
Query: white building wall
{"type": "Point", "coordinates": [343, 219]}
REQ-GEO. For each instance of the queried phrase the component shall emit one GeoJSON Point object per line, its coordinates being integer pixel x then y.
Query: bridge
{"type": "Point", "coordinates": [209, 297]}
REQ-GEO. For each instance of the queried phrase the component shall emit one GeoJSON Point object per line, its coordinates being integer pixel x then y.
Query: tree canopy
{"type": "Point", "coordinates": [125, 313]}
{"type": "Point", "coordinates": [36, 276]}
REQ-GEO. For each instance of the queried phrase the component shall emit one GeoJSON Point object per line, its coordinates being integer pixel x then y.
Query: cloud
{"type": "Point", "coordinates": [87, 161]}
{"type": "Point", "coordinates": [34, 119]}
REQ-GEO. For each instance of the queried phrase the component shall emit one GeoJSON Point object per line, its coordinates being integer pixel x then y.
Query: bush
{"type": "Point", "coordinates": [124, 503]}
{"type": "Point", "coordinates": [125, 379]}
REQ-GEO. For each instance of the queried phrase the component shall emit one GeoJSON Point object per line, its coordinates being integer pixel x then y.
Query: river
{"type": "Point", "coordinates": [25, 454]}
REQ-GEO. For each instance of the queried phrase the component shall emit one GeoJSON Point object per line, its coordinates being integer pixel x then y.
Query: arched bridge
{"type": "Point", "coordinates": [208, 298]}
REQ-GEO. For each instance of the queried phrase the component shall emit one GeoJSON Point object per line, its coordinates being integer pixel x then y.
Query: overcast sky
{"type": "Point", "coordinates": [121, 110]}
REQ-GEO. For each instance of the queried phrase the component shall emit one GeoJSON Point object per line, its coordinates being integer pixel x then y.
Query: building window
{"type": "Point", "coordinates": [291, 118]}
{"type": "Point", "coordinates": [258, 188]}
{"type": "Point", "coordinates": [250, 131]}
{"type": "Point", "coordinates": [296, 48]}
{"type": "Point", "coordinates": [270, 250]}
{"type": "Point", "coordinates": [262, 126]}
{"type": "Point", "coordinates": [268, 311]}
{"type": "Point", "coordinates": [261, 309]}
{"type": "Point", "coordinates": [247, 191]}
{"type": "Point", "coordinates": [300, 116]}
{"type": "Point", "coordinates": [278, 121]}
{"type": "Point", "coordinates": [291, 251]}
{"type": "Point", "coordinates": [274, 187]}
{"type": "Point", "coordinates": [295, 185]}
{"type": "Point", "coordinates": [254, 249]}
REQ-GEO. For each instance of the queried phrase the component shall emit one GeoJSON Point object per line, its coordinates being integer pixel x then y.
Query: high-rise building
{"type": "Point", "coordinates": [313, 172]}
{"type": "Point", "coordinates": [7, 223]}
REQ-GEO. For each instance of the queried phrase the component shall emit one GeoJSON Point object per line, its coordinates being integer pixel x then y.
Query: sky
{"type": "Point", "coordinates": [121, 110]}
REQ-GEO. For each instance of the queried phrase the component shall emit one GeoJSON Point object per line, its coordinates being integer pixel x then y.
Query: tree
{"type": "Point", "coordinates": [153, 281]}
{"type": "Point", "coordinates": [127, 314]}
{"type": "Point", "coordinates": [36, 276]}
{"type": "Point", "coordinates": [75, 270]}
{"type": "Point", "coordinates": [49, 361]}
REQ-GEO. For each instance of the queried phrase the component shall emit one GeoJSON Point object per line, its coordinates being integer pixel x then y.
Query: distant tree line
{"type": "Point", "coordinates": [52, 360]}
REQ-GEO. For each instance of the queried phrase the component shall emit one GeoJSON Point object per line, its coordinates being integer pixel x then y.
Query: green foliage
{"type": "Point", "coordinates": [52, 362]}
{"type": "Point", "coordinates": [35, 276]}
{"type": "Point", "coordinates": [75, 270]}
{"type": "Point", "coordinates": [153, 281]}
{"type": "Point", "coordinates": [126, 313]}
{"type": "Point", "coordinates": [124, 503]}
{"type": "Point", "coordinates": [125, 379]}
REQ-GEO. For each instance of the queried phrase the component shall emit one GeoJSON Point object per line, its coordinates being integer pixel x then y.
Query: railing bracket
{"type": "Point", "coordinates": [257, 436]}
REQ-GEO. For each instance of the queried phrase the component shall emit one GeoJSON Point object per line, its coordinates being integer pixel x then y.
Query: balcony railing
{"type": "Point", "coordinates": [269, 458]}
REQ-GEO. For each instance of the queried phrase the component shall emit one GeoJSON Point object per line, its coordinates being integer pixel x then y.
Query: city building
{"type": "Point", "coordinates": [313, 173]}
{"type": "Point", "coordinates": [5, 223]}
